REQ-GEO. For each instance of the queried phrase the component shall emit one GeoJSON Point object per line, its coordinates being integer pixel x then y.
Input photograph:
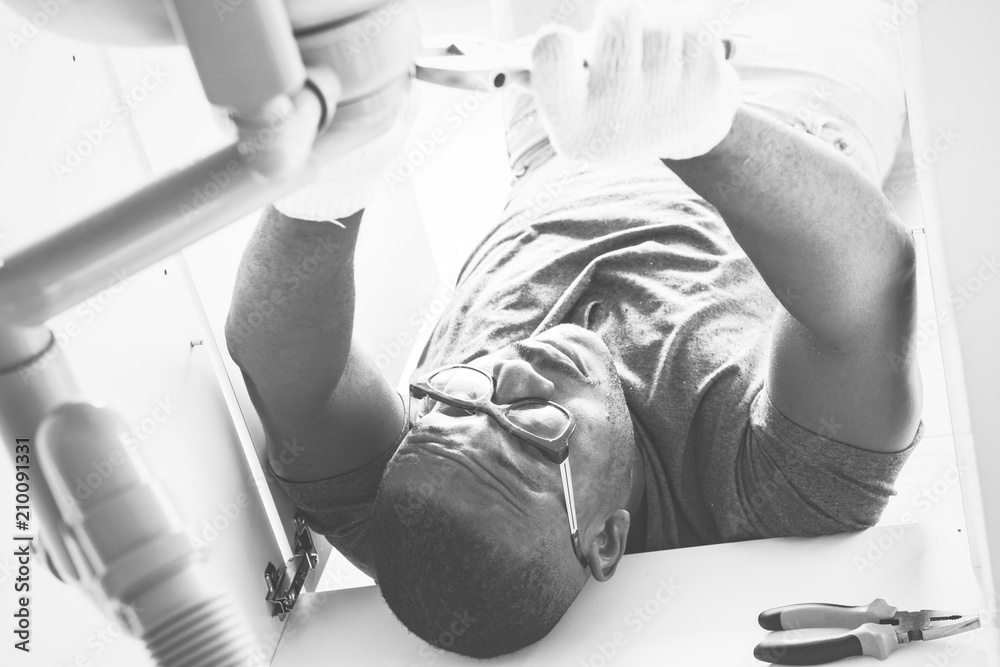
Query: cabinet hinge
{"type": "Point", "coordinates": [284, 584]}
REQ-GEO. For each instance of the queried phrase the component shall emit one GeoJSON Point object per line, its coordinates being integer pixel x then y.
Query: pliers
{"type": "Point", "coordinates": [878, 630]}
{"type": "Point", "coordinates": [477, 63]}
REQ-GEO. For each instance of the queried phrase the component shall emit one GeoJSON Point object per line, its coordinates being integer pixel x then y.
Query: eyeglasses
{"type": "Point", "coordinates": [544, 425]}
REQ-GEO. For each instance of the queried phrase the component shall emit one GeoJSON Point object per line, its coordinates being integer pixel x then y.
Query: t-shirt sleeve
{"type": "Point", "coordinates": [340, 508]}
{"type": "Point", "coordinates": [791, 481]}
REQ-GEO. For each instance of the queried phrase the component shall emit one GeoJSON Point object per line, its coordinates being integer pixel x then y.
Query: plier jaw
{"type": "Point", "coordinates": [471, 62]}
{"type": "Point", "coordinates": [928, 624]}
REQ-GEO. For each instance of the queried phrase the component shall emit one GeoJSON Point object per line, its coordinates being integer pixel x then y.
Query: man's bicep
{"type": "Point", "coordinates": [318, 437]}
{"type": "Point", "coordinates": [868, 396]}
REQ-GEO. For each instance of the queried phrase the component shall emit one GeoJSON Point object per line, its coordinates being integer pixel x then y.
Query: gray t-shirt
{"type": "Point", "coordinates": [637, 257]}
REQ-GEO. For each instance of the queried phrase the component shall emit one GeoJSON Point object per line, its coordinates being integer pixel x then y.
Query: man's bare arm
{"type": "Point", "coordinates": [830, 247]}
{"type": "Point", "coordinates": [325, 406]}
{"type": "Point", "coordinates": [820, 233]}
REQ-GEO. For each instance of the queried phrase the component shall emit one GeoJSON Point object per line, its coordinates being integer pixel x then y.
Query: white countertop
{"type": "Point", "coordinates": [695, 606]}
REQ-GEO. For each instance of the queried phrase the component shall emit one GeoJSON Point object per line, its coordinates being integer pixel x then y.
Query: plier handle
{"type": "Point", "coordinates": [877, 629]}
{"type": "Point", "coordinates": [472, 62]}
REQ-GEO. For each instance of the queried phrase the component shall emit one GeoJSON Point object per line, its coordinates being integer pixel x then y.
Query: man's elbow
{"type": "Point", "coordinates": [232, 340]}
{"type": "Point", "coordinates": [890, 255]}
{"type": "Point", "coordinates": [899, 305]}
{"type": "Point", "coordinates": [904, 259]}
{"type": "Point", "coordinates": [236, 336]}
{"type": "Point", "coordinates": [244, 332]}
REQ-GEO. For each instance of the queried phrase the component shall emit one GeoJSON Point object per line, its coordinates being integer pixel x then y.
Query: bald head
{"type": "Point", "coordinates": [458, 571]}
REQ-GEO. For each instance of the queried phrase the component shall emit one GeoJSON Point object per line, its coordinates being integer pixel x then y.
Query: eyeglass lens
{"type": "Point", "coordinates": [538, 417]}
{"type": "Point", "coordinates": [543, 419]}
{"type": "Point", "coordinates": [463, 383]}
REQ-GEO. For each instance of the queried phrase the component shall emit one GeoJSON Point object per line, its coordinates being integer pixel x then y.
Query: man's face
{"type": "Point", "coordinates": [477, 467]}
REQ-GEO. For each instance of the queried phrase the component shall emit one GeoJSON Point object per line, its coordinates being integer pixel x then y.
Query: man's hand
{"type": "Point", "coordinates": [348, 183]}
{"type": "Point", "coordinates": [649, 88]}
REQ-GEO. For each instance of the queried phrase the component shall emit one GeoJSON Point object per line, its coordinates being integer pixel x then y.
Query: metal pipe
{"type": "Point", "coordinates": [60, 271]}
{"type": "Point", "coordinates": [244, 58]}
{"type": "Point", "coordinates": [18, 345]}
{"type": "Point", "coordinates": [35, 381]}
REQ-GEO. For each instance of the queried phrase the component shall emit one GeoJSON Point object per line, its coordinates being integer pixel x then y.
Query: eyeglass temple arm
{"type": "Point", "coordinates": [567, 481]}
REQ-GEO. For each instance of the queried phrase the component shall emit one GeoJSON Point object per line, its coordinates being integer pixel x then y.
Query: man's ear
{"type": "Point", "coordinates": [608, 546]}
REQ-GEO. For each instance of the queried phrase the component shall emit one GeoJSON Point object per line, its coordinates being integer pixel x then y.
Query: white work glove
{"type": "Point", "coordinates": [347, 183]}
{"type": "Point", "coordinates": [648, 90]}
